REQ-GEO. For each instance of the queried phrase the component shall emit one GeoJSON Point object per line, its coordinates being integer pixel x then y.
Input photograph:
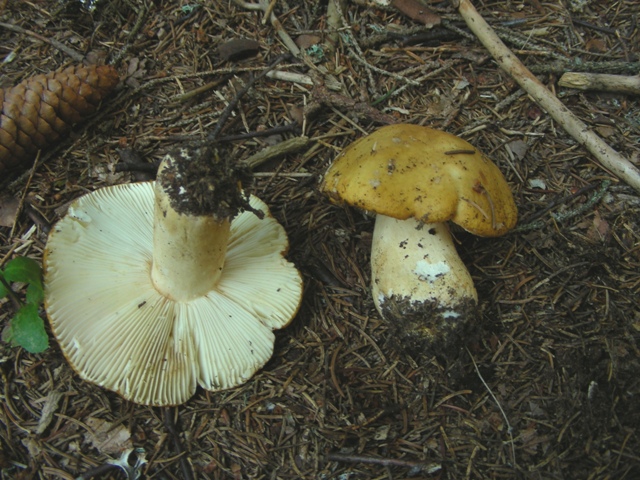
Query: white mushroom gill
{"type": "Point", "coordinates": [119, 332]}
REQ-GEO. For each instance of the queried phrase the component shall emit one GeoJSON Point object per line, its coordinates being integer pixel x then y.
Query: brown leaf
{"type": "Point", "coordinates": [8, 210]}
{"type": "Point", "coordinates": [518, 148]}
{"type": "Point", "coordinates": [106, 438]}
{"type": "Point", "coordinates": [418, 12]}
{"type": "Point", "coordinates": [238, 49]}
{"type": "Point", "coordinates": [599, 229]}
{"type": "Point", "coordinates": [596, 45]}
{"type": "Point", "coordinates": [305, 41]}
{"type": "Point", "coordinates": [605, 131]}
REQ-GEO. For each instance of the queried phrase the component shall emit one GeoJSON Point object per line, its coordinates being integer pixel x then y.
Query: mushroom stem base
{"type": "Point", "coordinates": [419, 283]}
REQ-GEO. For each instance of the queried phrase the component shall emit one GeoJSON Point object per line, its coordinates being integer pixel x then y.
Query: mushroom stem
{"type": "Point", "coordinates": [188, 250]}
{"type": "Point", "coordinates": [418, 280]}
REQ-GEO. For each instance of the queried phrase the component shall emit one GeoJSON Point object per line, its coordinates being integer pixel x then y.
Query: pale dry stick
{"type": "Point", "coordinates": [606, 155]}
{"type": "Point", "coordinates": [263, 5]}
{"type": "Point", "coordinates": [601, 81]}
{"type": "Point", "coordinates": [334, 19]}
{"type": "Point", "coordinates": [290, 77]}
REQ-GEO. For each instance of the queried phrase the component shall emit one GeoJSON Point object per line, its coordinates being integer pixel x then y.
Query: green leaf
{"type": "Point", "coordinates": [27, 330]}
{"type": "Point", "coordinates": [23, 269]}
{"type": "Point", "coordinates": [3, 289]}
{"type": "Point", "coordinates": [35, 294]}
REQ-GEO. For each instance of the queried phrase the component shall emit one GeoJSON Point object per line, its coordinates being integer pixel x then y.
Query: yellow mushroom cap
{"type": "Point", "coordinates": [405, 171]}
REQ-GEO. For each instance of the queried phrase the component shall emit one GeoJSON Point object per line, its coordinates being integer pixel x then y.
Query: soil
{"type": "Point", "coordinates": [547, 387]}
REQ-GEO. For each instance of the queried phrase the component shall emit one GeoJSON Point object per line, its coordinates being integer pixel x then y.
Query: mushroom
{"type": "Point", "coordinates": [415, 179]}
{"type": "Point", "coordinates": [155, 288]}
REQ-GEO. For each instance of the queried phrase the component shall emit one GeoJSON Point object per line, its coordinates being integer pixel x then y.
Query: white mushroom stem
{"type": "Point", "coordinates": [188, 250]}
{"type": "Point", "coordinates": [417, 264]}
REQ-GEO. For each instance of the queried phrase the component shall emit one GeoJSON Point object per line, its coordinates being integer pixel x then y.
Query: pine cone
{"type": "Point", "coordinates": [40, 111]}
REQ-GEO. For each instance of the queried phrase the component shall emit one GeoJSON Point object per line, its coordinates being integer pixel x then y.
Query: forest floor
{"type": "Point", "coordinates": [548, 385]}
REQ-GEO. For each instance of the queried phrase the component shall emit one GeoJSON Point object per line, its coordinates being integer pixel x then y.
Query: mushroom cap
{"type": "Point", "coordinates": [117, 331]}
{"type": "Point", "coordinates": [405, 171]}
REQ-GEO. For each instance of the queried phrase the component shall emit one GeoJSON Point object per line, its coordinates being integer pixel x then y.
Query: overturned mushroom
{"type": "Point", "coordinates": [154, 288]}
{"type": "Point", "coordinates": [415, 179]}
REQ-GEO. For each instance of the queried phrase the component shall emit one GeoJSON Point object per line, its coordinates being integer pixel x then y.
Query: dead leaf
{"type": "Point", "coordinates": [305, 41]}
{"type": "Point", "coordinates": [106, 438]}
{"type": "Point", "coordinates": [382, 433]}
{"type": "Point", "coordinates": [238, 49]}
{"type": "Point", "coordinates": [34, 447]}
{"type": "Point", "coordinates": [418, 12]}
{"type": "Point", "coordinates": [518, 148]}
{"type": "Point", "coordinates": [596, 45]}
{"type": "Point", "coordinates": [537, 183]}
{"type": "Point", "coordinates": [8, 210]}
{"type": "Point", "coordinates": [201, 36]}
{"type": "Point", "coordinates": [136, 71]}
{"type": "Point", "coordinates": [599, 229]}
{"type": "Point", "coordinates": [605, 131]}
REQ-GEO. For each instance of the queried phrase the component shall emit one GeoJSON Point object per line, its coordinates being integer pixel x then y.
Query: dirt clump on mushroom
{"type": "Point", "coordinates": [200, 181]}
{"type": "Point", "coordinates": [413, 327]}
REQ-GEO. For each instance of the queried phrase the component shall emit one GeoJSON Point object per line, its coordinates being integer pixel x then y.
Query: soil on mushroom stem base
{"type": "Point", "coordinates": [202, 180]}
{"type": "Point", "coordinates": [418, 327]}
{"type": "Point", "coordinates": [558, 332]}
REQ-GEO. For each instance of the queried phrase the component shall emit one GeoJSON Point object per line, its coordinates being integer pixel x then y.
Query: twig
{"type": "Point", "coordinates": [226, 113]}
{"type": "Point", "coordinates": [352, 44]}
{"type": "Point", "coordinates": [289, 127]}
{"type": "Point", "coordinates": [601, 81]}
{"type": "Point", "coordinates": [170, 425]}
{"type": "Point", "coordinates": [267, 9]}
{"type": "Point", "coordinates": [583, 207]}
{"type": "Point", "coordinates": [99, 470]}
{"type": "Point", "coordinates": [77, 56]}
{"type": "Point", "coordinates": [323, 96]}
{"type": "Point", "coordinates": [12, 296]}
{"type": "Point", "coordinates": [416, 467]}
{"type": "Point", "coordinates": [141, 12]}
{"type": "Point", "coordinates": [534, 224]}
{"type": "Point", "coordinates": [183, 97]}
{"type": "Point", "coordinates": [504, 415]}
{"type": "Point", "coordinates": [283, 148]}
{"type": "Point", "coordinates": [24, 192]}
{"type": "Point", "coordinates": [300, 78]}
{"type": "Point", "coordinates": [598, 28]}
{"type": "Point", "coordinates": [606, 155]}
{"type": "Point", "coordinates": [622, 68]}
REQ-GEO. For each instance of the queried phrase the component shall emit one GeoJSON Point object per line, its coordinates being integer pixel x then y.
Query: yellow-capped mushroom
{"type": "Point", "coordinates": [416, 178]}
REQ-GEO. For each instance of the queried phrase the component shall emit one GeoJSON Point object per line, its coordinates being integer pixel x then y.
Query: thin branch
{"type": "Point", "coordinates": [504, 415]}
{"type": "Point", "coordinates": [170, 425]}
{"type": "Point", "coordinates": [77, 56]}
{"type": "Point", "coordinates": [226, 113]}
{"type": "Point", "coordinates": [606, 155]}
{"type": "Point", "coordinates": [10, 293]}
